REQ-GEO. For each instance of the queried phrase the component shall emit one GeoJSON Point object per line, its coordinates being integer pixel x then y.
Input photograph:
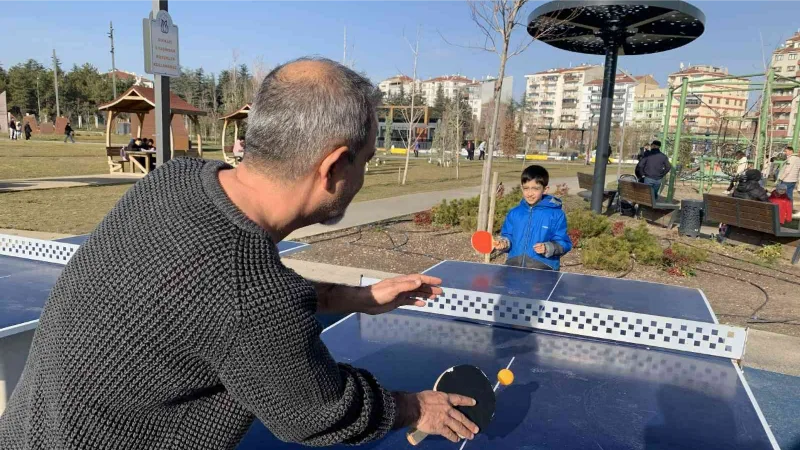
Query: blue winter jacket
{"type": "Point", "coordinates": [544, 222]}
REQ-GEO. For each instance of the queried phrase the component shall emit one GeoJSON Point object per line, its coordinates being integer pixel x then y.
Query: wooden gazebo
{"type": "Point", "coordinates": [140, 101]}
{"type": "Point", "coordinates": [235, 117]}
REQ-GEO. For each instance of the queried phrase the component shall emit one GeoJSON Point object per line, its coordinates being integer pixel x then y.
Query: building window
{"type": "Point", "coordinates": [780, 57]}
{"type": "Point", "coordinates": [777, 69]}
{"type": "Point", "coordinates": [792, 56]}
{"type": "Point", "coordinates": [727, 102]}
{"type": "Point", "coordinates": [790, 68]}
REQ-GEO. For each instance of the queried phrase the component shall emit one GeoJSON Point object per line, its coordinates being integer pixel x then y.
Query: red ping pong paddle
{"type": "Point", "coordinates": [468, 381]}
{"type": "Point", "coordinates": [482, 242]}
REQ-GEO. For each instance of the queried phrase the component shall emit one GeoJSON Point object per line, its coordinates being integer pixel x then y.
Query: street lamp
{"type": "Point", "coordinates": [613, 28]}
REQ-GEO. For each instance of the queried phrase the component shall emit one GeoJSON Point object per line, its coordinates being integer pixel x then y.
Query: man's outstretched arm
{"type": "Point", "coordinates": [379, 298]}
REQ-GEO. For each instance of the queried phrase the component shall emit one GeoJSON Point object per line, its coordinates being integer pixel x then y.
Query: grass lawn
{"type": "Point", "coordinates": [78, 210]}
{"type": "Point", "coordinates": [40, 158]}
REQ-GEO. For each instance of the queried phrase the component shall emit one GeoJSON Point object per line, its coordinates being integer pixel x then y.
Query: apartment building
{"type": "Point", "coordinates": [626, 88]}
{"type": "Point", "coordinates": [784, 101]}
{"type": "Point", "coordinates": [450, 84]}
{"type": "Point", "coordinates": [554, 96]}
{"type": "Point", "coordinates": [392, 87]}
{"type": "Point", "coordinates": [481, 93]}
{"type": "Point", "coordinates": [648, 110]}
{"type": "Point", "coordinates": [706, 110]}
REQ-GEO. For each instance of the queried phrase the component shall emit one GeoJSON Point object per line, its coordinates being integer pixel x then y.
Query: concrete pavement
{"type": "Point", "coordinates": [361, 213]}
{"type": "Point", "coordinates": [31, 184]}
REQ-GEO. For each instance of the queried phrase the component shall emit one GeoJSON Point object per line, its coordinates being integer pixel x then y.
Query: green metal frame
{"type": "Point", "coordinates": [771, 81]}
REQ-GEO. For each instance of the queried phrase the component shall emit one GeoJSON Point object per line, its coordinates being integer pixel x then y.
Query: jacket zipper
{"type": "Point", "coordinates": [527, 235]}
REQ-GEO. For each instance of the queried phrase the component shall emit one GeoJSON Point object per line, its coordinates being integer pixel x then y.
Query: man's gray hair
{"type": "Point", "coordinates": [296, 120]}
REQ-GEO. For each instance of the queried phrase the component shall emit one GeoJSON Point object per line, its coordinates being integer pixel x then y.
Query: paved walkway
{"type": "Point", "coordinates": [31, 184]}
{"type": "Point", "coordinates": [361, 213]}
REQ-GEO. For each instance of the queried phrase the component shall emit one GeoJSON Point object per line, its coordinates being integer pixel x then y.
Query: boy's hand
{"type": "Point", "coordinates": [540, 248]}
{"type": "Point", "coordinates": [500, 244]}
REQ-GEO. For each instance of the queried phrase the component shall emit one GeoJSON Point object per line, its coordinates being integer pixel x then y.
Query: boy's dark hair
{"type": "Point", "coordinates": [536, 173]}
{"type": "Point", "coordinates": [739, 154]}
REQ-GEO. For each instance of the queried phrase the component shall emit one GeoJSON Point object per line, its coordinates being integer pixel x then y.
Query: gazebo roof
{"type": "Point", "coordinates": [139, 99]}
{"type": "Point", "coordinates": [239, 114]}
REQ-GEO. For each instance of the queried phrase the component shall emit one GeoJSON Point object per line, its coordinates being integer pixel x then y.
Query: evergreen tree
{"type": "Point", "coordinates": [439, 102]}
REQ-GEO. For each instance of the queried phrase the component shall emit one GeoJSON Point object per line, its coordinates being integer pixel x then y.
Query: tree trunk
{"type": "Point", "coordinates": [483, 210]}
{"type": "Point", "coordinates": [411, 120]}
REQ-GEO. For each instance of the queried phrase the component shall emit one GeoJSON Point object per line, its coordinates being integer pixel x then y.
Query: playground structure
{"type": "Point", "coordinates": [718, 167]}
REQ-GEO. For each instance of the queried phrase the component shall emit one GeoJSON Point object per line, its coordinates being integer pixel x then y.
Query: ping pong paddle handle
{"type": "Point", "coordinates": [415, 436]}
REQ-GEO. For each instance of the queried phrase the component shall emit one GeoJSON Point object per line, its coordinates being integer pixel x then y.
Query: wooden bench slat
{"type": "Point", "coordinates": [755, 225]}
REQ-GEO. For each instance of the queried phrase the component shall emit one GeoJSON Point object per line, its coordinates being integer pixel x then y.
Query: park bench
{"type": "Point", "coordinates": [115, 165]}
{"type": "Point", "coordinates": [751, 222]}
{"type": "Point", "coordinates": [586, 181]}
{"type": "Point", "coordinates": [648, 205]}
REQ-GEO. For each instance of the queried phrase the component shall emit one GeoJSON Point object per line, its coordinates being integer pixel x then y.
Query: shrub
{"type": "Point", "coordinates": [606, 252]}
{"type": "Point", "coordinates": [770, 253]}
{"type": "Point", "coordinates": [575, 237]}
{"type": "Point", "coordinates": [691, 255]}
{"type": "Point", "coordinates": [644, 246]}
{"type": "Point", "coordinates": [464, 212]}
{"type": "Point", "coordinates": [618, 229]}
{"type": "Point", "coordinates": [588, 223]}
{"type": "Point", "coordinates": [423, 218]}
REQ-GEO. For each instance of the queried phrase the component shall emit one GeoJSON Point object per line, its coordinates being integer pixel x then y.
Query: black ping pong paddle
{"type": "Point", "coordinates": [468, 381]}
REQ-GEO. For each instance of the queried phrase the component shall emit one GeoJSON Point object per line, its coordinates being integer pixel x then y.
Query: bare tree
{"type": "Point", "coordinates": [496, 20]}
{"type": "Point", "coordinates": [412, 117]}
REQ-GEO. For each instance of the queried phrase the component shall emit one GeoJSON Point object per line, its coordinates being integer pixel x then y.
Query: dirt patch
{"type": "Point", "coordinates": [738, 286]}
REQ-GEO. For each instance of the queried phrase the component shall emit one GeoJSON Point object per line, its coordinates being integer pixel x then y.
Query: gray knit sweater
{"type": "Point", "coordinates": [174, 326]}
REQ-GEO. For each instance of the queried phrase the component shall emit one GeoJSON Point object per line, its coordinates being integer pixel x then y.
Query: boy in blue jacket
{"type": "Point", "coordinates": [535, 232]}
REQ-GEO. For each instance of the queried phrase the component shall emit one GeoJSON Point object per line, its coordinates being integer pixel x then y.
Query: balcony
{"type": "Point", "coordinates": [782, 98]}
{"type": "Point", "coordinates": [572, 78]}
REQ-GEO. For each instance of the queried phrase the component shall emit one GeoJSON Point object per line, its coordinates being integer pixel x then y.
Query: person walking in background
{"type": "Point", "coordinates": [741, 163]}
{"type": "Point", "coordinates": [68, 132]}
{"type": "Point", "coordinates": [471, 150]}
{"type": "Point", "coordinates": [19, 130]}
{"type": "Point", "coordinates": [654, 166]}
{"type": "Point", "coordinates": [12, 130]}
{"type": "Point", "coordinates": [482, 150]}
{"type": "Point", "coordinates": [416, 148]}
{"type": "Point", "coordinates": [766, 171]}
{"type": "Point", "coordinates": [28, 131]}
{"type": "Point", "coordinates": [790, 172]}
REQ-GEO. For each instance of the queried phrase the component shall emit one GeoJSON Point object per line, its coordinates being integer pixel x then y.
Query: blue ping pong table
{"type": "Point", "coordinates": [569, 392]}
{"type": "Point", "coordinates": [29, 268]}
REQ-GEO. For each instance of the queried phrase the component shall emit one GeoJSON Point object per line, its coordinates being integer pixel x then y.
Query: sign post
{"type": "Point", "coordinates": [161, 59]}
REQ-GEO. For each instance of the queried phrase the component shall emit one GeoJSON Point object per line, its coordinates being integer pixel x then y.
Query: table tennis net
{"type": "Point", "coordinates": [36, 249]}
{"type": "Point", "coordinates": [587, 321]}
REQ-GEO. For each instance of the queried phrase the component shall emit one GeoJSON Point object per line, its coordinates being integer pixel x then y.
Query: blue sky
{"type": "Point", "coordinates": [210, 31]}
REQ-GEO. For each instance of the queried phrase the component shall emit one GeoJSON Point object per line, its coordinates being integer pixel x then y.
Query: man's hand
{"type": "Point", "coordinates": [540, 248]}
{"type": "Point", "coordinates": [399, 291]}
{"type": "Point", "coordinates": [435, 413]}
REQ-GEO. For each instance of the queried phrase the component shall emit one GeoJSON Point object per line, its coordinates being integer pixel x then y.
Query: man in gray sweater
{"type": "Point", "coordinates": [176, 324]}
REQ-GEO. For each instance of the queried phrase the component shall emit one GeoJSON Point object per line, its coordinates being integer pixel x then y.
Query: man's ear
{"type": "Point", "coordinates": [332, 163]}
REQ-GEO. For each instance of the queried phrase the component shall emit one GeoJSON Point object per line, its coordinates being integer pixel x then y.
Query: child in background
{"type": "Point", "coordinates": [535, 232]}
{"type": "Point", "coordinates": [779, 197]}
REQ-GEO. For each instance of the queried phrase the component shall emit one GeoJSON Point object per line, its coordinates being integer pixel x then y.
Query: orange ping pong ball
{"type": "Point", "coordinates": [505, 377]}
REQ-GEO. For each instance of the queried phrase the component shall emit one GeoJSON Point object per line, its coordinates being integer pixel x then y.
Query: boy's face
{"type": "Point", "coordinates": [533, 191]}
